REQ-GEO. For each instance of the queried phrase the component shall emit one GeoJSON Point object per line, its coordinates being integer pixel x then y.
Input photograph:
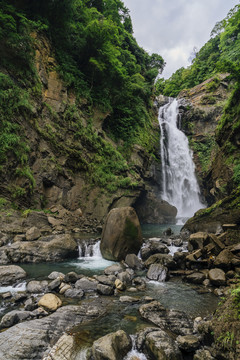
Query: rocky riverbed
{"type": "Point", "coordinates": [47, 317]}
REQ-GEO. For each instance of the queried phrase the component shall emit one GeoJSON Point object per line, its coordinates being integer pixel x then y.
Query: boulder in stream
{"type": "Point", "coordinates": [113, 346]}
{"type": "Point", "coordinates": [11, 274]}
{"type": "Point", "coordinates": [121, 234]}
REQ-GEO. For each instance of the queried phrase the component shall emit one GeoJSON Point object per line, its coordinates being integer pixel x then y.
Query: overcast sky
{"type": "Point", "coordinates": [172, 28]}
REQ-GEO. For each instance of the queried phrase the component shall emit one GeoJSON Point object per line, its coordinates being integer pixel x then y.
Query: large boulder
{"type": "Point", "coordinates": [50, 302]}
{"type": "Point", "coordinates": [29, 340]}
{"type": "Point", "coordinates": [217, 277]}
{"type": "Point", "coordinates": [113, 346]}
{"type": "Point", "coordinates": [160, 345]}
{"type": "Point", "coordinates": [11, 274]}
{"type": "Point", "coordinates": [46, 248]}
{"type": "Point", "coordinates": [121, 234]}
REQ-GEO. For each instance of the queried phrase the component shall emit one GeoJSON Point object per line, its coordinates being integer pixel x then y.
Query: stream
{"type": "Point", "coordinates": [173, 294]}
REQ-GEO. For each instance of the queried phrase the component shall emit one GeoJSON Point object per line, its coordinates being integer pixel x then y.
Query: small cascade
{"type": "Point", "coordinates": [134, 353]}
{"type": "Point", "coordinates": [89, 249]}
{"type": "Point", "coordinates": [90, 256]}
{"type": "Point", "coordinates": [179, 183]}
{"type": "Point", "coordinates": [16, 288]}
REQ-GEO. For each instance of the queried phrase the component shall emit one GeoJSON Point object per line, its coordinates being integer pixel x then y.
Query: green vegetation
{"type": "Point", "coordinates": [99, 58]}
{"type": "Point", "coordinates": [204, 150]}
{"type": "Point", "coordinates": [224, 46]}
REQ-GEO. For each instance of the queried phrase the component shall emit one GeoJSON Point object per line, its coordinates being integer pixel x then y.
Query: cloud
{"type": "Point", "coordinates": [173, 28]}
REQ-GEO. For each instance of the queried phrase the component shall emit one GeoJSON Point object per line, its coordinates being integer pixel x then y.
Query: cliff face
{"type": "Point", "coordinates": [71, 161]}
{"type": "Point", "coordinates": [214, 136]}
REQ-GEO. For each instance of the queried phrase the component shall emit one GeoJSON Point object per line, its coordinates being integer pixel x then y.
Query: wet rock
{"type": "Point", "coordinates": [121, 234]}
{"type": "Point", "coordinates": [113, 346]}
{"type": "Point", "coordinates": [33, 233]}
{"type": "Point", "coordinates": [30, 305]}
{"type": "Point", "coordinates": [37, 287]}
{"type": "Point", "coordinates": [30, 339]}
{"type": "Point", "coordinates": [74, 293]}
{"type": "Point", "coordinates": [46, 248]}
{"type": "Point", "coordinates": [54, 284]}
{"type": "Point", "coordinates": [159, 345]}
{"type": "Point", "coordinates": [153, 247]}
{"type": "Point", "coordinates": [39, 312]}
{"type": "Point", "coordinates": [64, 349]}
{"type": "Point", "coordinates": [134, 262]}
{"type": "Point", "coordinates": [125, 277]}
{"type": "Point", "coordinates": [217, 277]}
{"type": "Point", "coordinates": [64, 287]}
{"type": "Point", "coordinates": [188, 343]}
{"type": "Point", "coordinates": [113, 269]}
{"type": "Point", "coordinates": [129, 299]}
{"type": "Point", "coordinates": [168, 232]}
{"type": "Point", "coordinates": [177, 242]}
{"type": "Point", "coordinates": [71, 277]}
{"type": "Point", "coordinates": [55, 275]}
{"type": "Point", "coordinates": [19, 297]}
{"type": "Point", "coordinates": [174, 320]}
{"type": "Point", "coordinates": [11, 274]}
{"type": "Point", "coordinates": [6, 295]}
{"type": "Point", "coordinates": [104, 290]}
{"type": "Point", "coordinates": [50, 302]}
{"type": "Point", "coordinates": [120, 285]}
{"type": "Point", "coordinates": [163, 259]}
{"type": "Point", "coordinates": [106, 280]}
{"type": "Point", "coordinates": [157, 272]}
{"type": "Point", "coordinates": [195, 278]}
{"type": "Point", "coordinates": [139, 282]}
{"type": "Point", "coordinates": [86, 284]}
{"type": "Point", "coordinates": [14, 317]}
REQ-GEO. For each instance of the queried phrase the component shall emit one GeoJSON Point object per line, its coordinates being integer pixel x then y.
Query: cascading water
{"type": "Point", "coordinates": [179, 184]}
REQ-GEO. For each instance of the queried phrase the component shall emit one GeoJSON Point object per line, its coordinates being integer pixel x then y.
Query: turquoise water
{"type": "Point", "coordinates": [156, 230]}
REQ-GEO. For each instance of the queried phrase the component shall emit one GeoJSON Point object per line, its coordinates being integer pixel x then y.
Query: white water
{"type": "Point", "coordinates": [134, 353]}
{"type": "Point", "coordinates": [179, 183]}
{"type": "Point", "coordinates": [15, 288]}
{"type": "Point", "coordinates": [90, 257]}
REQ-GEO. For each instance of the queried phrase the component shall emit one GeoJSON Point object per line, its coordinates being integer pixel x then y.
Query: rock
{"type": "Point", "coordinates": [54, 284]}
{"type": "Point", "coordinates": [129, 299]}
{"type": "Point", "coordinates": [6, 295]}
{"type": "Point", "coordinates": [55, 275]}
{"type": "Point", "coordinates": [198, 241]}
{"type": "Point", "coordinates": [139, 282]}
{"type": "Point", "coordinates": [168, 232]}
{"type": "Point", "coordinates": [125, 277]}
{"type": "Point", "coordinates": [217, 277]}
{"type": "Point", "coordinates": [120, 285]}
{"type": "Point", "coordinates": [195, 278]}
{"type": "Point", "coordinates": [163, 259]}
{"type": "Point", "coordinates": [121, 234]}
{"type": "Point", "coordinates": [14, 317]}
{"type": "Point", "coordinates": [19, 237]}
{"type": "Point", "coordinates": [203, 354]}
{"type": "Point", "coordinates": [113, 346]}
{"type": "Point", "coordinates": [64, 349]}
{"type": "Point", "coordinates": [30, 339]}
{"type": "Point", "coordinates": [104, 289]}
{"type": "Point", "coordinates": [113, 269]}
{"type": "Point", "coordinates": [159, 345]}
{"type": "Point", "coordinates": [33, 233]}
{"type": "Point", "coordinates": [11, 274]}
{"type": "Point", "coordinates": [174, 320]}
{"type": "Point", "coordinates": [223, 260]}
{"type": "Point", "coordinates": [157, 272]}
{"type": "Point", "coordinates": [153, 247]}
{"type": "Point", "coordinates": [30, 305]}
{"type": "Point", "coordinates": [71, 277]}
{"type": "Point", "coordinates": [86, 284]}
{"type": "Point", "coordinates": [106, 280]}
{"type": "Point", "coordinates": [46, 248]}
{"type": "Point", "coordinates": [188, 343]}
{"type": "Point", "coordinates": [133, 262]}
{"type": "Point", "coordinates": [39, 312]}
{"type": "Point", "coordinates": [74, 293]}
{"type": "Point", "coordinates": [37, 287]}
{"type": "Point", "coordinates": [50, 302]}
{"type": "Point", "coordinates": [64, 288]}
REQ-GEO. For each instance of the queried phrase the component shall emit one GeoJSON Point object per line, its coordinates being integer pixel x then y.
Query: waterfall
{"type": "Point", "coordinates": [179, 183]}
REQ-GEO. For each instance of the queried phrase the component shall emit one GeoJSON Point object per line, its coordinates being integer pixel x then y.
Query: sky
{"type": "Point", "coordinates": [172, 28]}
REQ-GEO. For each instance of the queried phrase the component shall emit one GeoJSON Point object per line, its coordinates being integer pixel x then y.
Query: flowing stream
{"type": "Point", "coordinates": [179, 183]}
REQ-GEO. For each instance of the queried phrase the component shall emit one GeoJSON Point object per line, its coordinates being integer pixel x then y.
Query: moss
{"type": "Point", "coordinates": [130, 230]}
